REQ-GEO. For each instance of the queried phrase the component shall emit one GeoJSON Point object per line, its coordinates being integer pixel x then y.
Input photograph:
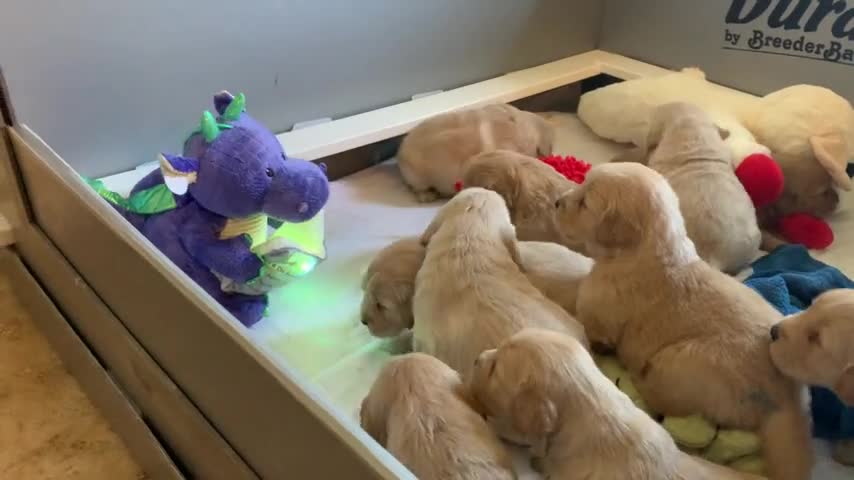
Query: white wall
{"type": "Point", "coordinates": [110, 84]}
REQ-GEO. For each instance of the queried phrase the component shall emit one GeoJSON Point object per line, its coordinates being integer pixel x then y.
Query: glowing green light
{"type": "Point", "coordinates": [294, 249]}
{"type": "Point", "coordinates": [306, 237]}
{"type": "Point", "coordinates": [303, 264]}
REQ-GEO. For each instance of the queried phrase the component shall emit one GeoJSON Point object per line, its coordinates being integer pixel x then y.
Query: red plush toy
{"type": "Point", "coordinates": [763, 180]}
{"type": "Point", "coordinates": [570, 167]}
{"type": "Point", "coordinates": [807, 230]}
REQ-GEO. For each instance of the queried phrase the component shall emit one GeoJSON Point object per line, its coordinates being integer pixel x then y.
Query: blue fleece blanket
{"type": "Point", "coordinates": [789, 278]}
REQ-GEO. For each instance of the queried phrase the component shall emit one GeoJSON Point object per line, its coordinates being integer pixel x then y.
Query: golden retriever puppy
{"type": "Point", "coordinates": [432, 155]}
{"type": "Point", "coordinates": [471, 292]}
{"type": "Point", "coordinates": [688, 149]}
{"type": "Point", "coordinates": [816, 347]}
{"type": "Point", "coordinates": [389, 286]}
{"type": "Point", "coordinates": [418, 410]}
{"type": "Point", "coordinates": [695, 338]}
{"type": "Point", "coordinates": [389, 283]}
{"type": "Point", "coordinates": [529, 188]}
{"type": "Point", "coordinates": [547, 385]}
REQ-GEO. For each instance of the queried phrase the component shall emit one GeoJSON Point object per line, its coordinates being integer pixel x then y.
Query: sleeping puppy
{"type": "Point", "coordinates": [816, 347]}
{"type": "Point", "coordinates": [695, 338]}
{"type": "Point", "coordinates": [547, 385]}
{"type": "Point", "coordinates": [389, 283]}
{"type": "Point", "coordinates": [471, 293]}
{"type": "Point", "coordinates": [529, 188]}
{"type": "Point", "coordinates": [432, 155]}
{"type": "Point", "coordinates": [417, 409]}
{"type": "Point", "coordinates": [689, 151]}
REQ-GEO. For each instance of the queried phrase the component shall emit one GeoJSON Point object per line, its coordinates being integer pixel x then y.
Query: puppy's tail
{"type": "Point", "coordinates": [786, 444]}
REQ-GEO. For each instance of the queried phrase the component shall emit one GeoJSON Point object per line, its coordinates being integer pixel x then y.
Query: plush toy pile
{"type": "Point", "coordinates": [207, 209]}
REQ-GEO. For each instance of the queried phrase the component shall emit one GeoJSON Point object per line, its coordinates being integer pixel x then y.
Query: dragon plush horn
{"type": "Point", "coordinates": [210, 130]}
{"type": "Point", "coordinates": [235, 108]}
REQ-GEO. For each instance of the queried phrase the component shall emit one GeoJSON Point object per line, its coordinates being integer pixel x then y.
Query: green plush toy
{"type": "Point", "coordinates": [737, 449]}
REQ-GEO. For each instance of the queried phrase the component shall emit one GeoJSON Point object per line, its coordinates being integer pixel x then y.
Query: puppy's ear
{"type": "Point", "coordinates": [845, 386]}
{"type": "Point", "coordinates": [431, 229]}
{"type": "Point", "coordinates": [500, 178]}
{"type": "Point", "coordinates": [510, 185]}
{"type": "Point", "coordinates": [404, 291]}
{"type": "Point", "coordinates": [617, 231]}
{"type": "Point", "coordinates": [508, 237]}
{"type": "Point", "coordinates": [723, 132]}
{"type": "Point", "coordinates": [832, 153]}
{"type": "Point", "coordinates": [533, 415]}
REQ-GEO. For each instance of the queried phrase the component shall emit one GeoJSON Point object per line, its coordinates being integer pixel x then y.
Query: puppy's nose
{"type": "Point", "coordinates": [557, 203]}
{"type": "Point", "coordinates": [775, 332]}
{"type": "Point", "coordinates": [364, 321]}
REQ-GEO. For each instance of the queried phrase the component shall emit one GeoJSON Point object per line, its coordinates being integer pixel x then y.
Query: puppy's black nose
{"type": "Point", "coordinates": [775, 332]}
{"type": "Point", "coordinates": [364, 321]}
{"type": "Point", "coordinates": [557, 203]}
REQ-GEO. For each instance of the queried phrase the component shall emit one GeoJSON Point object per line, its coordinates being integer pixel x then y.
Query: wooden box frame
{"type": "Point", "coordinates": [179, 379]}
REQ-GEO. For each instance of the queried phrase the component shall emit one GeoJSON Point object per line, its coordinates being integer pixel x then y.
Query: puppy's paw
{"type": "Point", "coordinates": [843, 452]}
{"type": "Point", "coordinates": [427, 196]}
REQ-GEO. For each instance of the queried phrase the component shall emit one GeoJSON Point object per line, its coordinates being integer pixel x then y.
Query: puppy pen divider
{"type": "Point", "coordinates": [10, 204]}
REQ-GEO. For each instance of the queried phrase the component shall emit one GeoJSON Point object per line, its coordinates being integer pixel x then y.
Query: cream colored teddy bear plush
{"type": "Point", "coordinates": [809, 130]}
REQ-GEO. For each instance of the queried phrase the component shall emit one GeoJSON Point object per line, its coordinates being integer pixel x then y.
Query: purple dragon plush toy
{"type": "Point", "coordinates": [232, 175]}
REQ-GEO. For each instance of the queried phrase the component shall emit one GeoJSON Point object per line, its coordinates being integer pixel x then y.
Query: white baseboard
{"type": "Point", "coordinates": [347, 133]}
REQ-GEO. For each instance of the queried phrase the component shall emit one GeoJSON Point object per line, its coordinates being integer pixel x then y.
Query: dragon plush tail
{"type": "Point", "coordinates": [138, 205]}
